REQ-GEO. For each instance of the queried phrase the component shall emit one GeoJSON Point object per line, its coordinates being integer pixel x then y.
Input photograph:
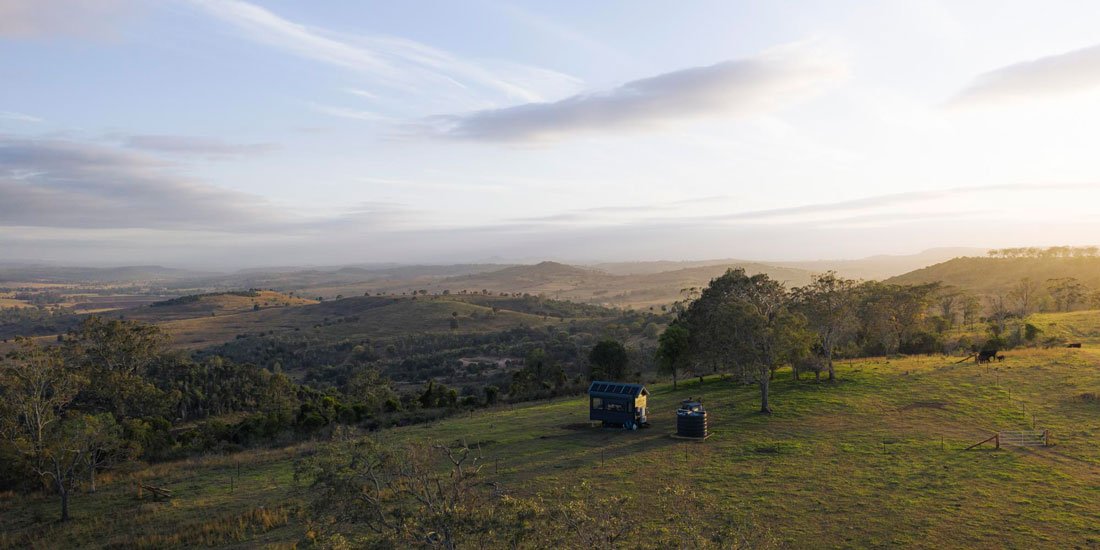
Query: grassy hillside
{"type": "Point", "coordinates": [665, 287]}
{"type": "Point", "coordinates": [1076, 326]}
{"type": "Point", "coordinates": [884, 266]}
{"type": "Point", "coordinates": [637, 290]}
{"type": "Point", "coordinates": [627, 285]}
{"type": "Point", "coordinates": [206, 305]}
{"type": "Point", "coordinates": [874, 461]}
{"type": "Point", "coordinates": [348, 280]}
{"type": "Point", "coordinates": [998, 275]}
{"type": "Point", "coordinates": [373, 317]}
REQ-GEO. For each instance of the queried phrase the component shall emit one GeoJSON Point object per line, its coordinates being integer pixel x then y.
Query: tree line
{"type": "Point", "coordinates": [112, 392]}
{"type": "Point", "coordinates": [750, 326]}
{"type": "Point", "coordinates": [1048, 252]}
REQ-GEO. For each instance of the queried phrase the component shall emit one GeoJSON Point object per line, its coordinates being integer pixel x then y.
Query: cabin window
{"type": "Point", "coordinates": [597, 403]}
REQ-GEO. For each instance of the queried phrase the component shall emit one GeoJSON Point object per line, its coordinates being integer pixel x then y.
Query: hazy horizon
{"type": "Point", "coordinates": [935, 253]}
{"type": "Point", "coordinates": [223, 134]}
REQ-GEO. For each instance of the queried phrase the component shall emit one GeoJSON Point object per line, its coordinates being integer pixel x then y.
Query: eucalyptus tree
{"type": "Point", "coordinates": [1066, 292]}
{"type": "Point", "coordinates": [744, 323]}
{"type": "Point", "coordinates": [891, 314]}
{"type": "Point", "coordinates": [53, 441]}
{"type": "Point", "coordinates": [673, 347]}
{"type": "Point", "coordinates": [829, 305]}
{"type": "Point", "coordinates": [117, 354]}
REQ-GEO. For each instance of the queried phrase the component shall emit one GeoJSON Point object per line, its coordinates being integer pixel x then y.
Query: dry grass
{"type": "Point", "coordinates": [12, 302]}
{"type": "Point", "coordinates": [372, 317]}
{"type": "Point", "coordinates": [228, 529]}
{"type": "Point", "coordinates": [875, 460]}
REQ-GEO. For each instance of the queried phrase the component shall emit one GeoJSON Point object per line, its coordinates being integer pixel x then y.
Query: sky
{"type": "Point", "coordinates": [230, 133]}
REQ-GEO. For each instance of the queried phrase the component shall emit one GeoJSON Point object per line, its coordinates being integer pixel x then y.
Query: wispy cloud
{"type": "Point", "coordinates": [436, 185]}
{"type": "Point", "coordinates": [1053, 75]}
{"type": "Point", "coordinates": [361, 93]}
{"type": "Point", "coordinates": [345, 112]}
{"type": "Point", "coordinates": [193, 145]}
{"type": "Point", "coordinates": [739, 87]}
{"type": "Point", "coordinates": [914, 198]}
{"type": "Point", "coordinates": [391, 61]}
{"type": "Point", "coordinates": [19, 117]}
{"type": "Point", "coordinates": [264, 26]}
{"type": "Point", "coordinates": [564, 33]}
{"type": "Point", "coordinates": [882, 209]}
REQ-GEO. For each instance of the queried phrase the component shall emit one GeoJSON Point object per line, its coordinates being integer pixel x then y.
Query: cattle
{"type": "Point", "coordinates": [1074, 345]}
{"type": "Point", "coordinates": [986, 356]}
{"type": "Point", "coordinates": [1000, 358]}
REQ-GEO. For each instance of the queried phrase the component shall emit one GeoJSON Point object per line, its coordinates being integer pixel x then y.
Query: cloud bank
{"type": "Point", "coordinates": [1053, 75]}
{"type": "Point", "coordinates": [193, 145]}
{"type": "Point", "coordinates": [47, 18]}
{"type": "Point", "coordinates": [65, 184]}
{"type": "Point", "coordinates": [738, 87]}
{"type": "Point", "coordinates": [78, 202]}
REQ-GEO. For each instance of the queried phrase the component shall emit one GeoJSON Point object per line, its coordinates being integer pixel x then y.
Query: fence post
{"type": "Point", "coordinates": [997, 440]}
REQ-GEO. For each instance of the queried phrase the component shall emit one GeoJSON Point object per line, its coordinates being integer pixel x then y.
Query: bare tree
{"type": "Point", "coordinates": [1023, 295]}
{"type": "Point", "coordinates": [592, 519]}
{"type": "Point", "coordinates": [999, 313]}
{"type": "Point", "coordinates": [401, 494]}
{"type": "Point", "coordinates": [949, 300]}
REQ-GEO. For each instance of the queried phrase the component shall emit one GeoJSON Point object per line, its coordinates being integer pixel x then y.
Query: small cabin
{"type": "Point", "coordinates": [617, 403]}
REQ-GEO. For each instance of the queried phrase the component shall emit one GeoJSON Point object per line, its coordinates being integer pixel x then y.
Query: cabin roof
{"type": "Point", "coordinates": [600, 388]}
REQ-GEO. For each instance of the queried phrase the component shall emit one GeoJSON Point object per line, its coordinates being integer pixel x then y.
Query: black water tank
{"type": "Point", "coordinates": [691, 420]}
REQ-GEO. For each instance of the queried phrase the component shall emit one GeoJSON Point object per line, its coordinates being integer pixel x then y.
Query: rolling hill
{"type": "Point", "coordinates": [567, 282]}
{"type": "Point", "coordinates": [886, 265]}
{"type": "Point", "coordinates": [985, 276]}
{"type": "Point", "coordinates": [872, 267]}
{"type": "Point", "coordinates": [361, 317]}
{"type": "Point", "coordinates": [876, 460]}
{"type": "Point", "coordinates": [212, 304]}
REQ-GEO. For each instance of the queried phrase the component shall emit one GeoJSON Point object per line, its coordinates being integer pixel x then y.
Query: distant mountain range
{"type": "Point", "coordinates": [73, 275]}
{"type": "Point", "coordinates": [613, 283]}
{"type": "Point", "coordinates": [873, 267]}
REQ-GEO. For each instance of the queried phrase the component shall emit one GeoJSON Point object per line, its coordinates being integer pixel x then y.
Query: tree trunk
{"type": "Point", "coordinates": [91, 478]}
{"type": "Point", "coordinates": [829, 363]}
{"type": "Point", "coordinates": [64, 501]}
{"type": "Point", "coordinates": [674, 379]}
{"type": "Point", "coordinates": [765, 408]}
